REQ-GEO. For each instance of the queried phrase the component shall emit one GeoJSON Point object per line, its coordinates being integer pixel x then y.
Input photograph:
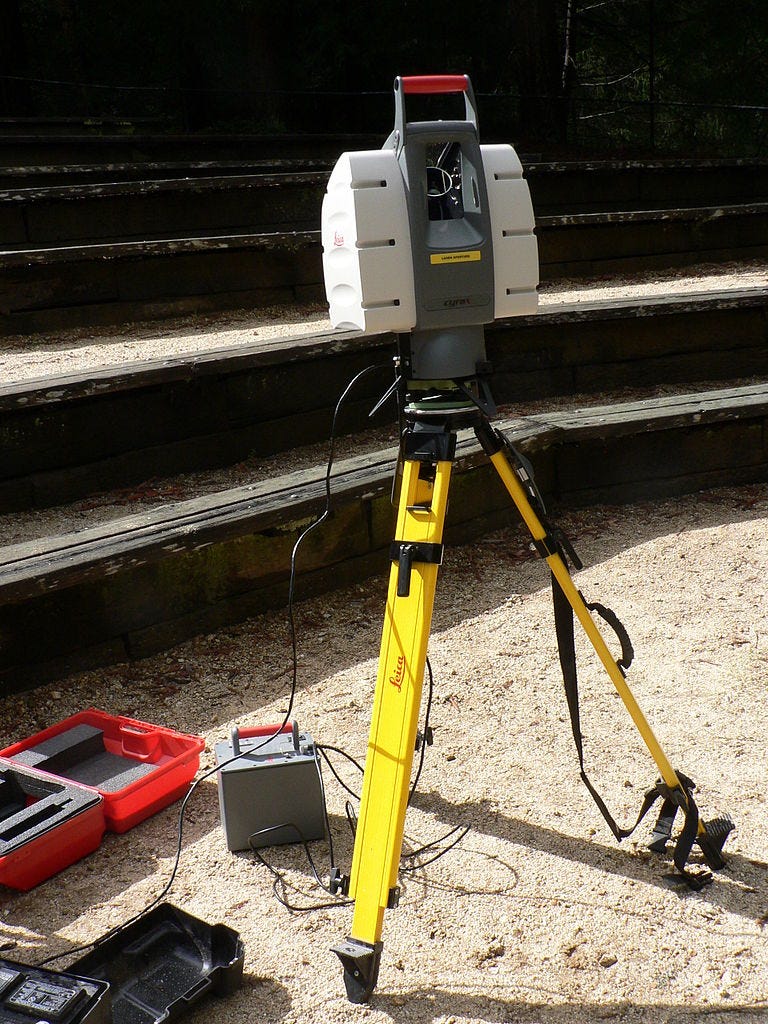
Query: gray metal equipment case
{"type": "Point", "coordinates": [269, 788]}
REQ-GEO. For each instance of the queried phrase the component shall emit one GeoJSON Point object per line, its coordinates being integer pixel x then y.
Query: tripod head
{"type": "Point", "coordinates": [431, 237]}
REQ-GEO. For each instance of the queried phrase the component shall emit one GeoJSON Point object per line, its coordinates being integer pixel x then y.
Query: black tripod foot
{"type": "Point", "coordinates": [712, 841]}
{"type": "Point", "coordinates": [361, 968]}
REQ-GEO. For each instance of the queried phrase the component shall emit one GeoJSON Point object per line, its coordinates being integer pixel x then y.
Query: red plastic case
{"type": "Point", "coordinates": [137, 768]}
{"type": "Point", "coordinates": [46, 824]}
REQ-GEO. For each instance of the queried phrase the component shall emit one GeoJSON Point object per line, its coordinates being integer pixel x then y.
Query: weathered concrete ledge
{"type": "Point", "coordinates": [181, 414]}
{"type": "Point", "coordinates": [572, 185]}
{"type": "Point", "coordinates": [40, 203]}
{"type": "Point", "coordinates": [43, 288]}
{"type": "Point", "coordinates": [89, 213]}
{"type": "Point", "coordinates": [94, 147]}
{"type": "Point", "coordinates": [44, 175]}
{"type": "Point", "coordinates": [145, 582]}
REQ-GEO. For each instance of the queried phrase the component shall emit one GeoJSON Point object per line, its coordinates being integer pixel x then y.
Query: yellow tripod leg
{"type": "Point", "coordinates": [560, 571]}
{"type": "Point", "coordinates": [378, 842]}
{"type": "Point", "coordinates": [709, 835]}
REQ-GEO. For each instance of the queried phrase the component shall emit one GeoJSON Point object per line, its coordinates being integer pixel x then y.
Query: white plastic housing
{"type": "Point", "coordinates": [367, 261]}
{"type": "Point", "coordinates": [515, 250]}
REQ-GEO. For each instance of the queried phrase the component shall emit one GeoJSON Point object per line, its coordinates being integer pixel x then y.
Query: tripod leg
{"type": "Point", "coordinates": [676, 788]}
{"type": "Point", "coordinates": [560, 571]}
{"type": "Point", "coordinates": [378, 842]}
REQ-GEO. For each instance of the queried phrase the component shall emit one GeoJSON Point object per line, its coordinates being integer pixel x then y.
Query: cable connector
{"type": "Point", "coordinates": [427, 737]}
{"type": "Point", "coordinates": [338, 884]}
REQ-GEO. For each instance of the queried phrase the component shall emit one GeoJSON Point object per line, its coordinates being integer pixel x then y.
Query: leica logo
{"type": "Point", "coordinates": [452, 303]}
{"type": "Point", "coordinates": [396, 679]}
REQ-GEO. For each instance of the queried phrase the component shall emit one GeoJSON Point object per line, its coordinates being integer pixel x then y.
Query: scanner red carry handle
{"type": "Point", "coordinates": [434, 83]}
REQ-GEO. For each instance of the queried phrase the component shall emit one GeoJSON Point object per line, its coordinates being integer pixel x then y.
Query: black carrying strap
{"type": "Point", "coordinates": [673, 800]}
{"type": "Point", "coordinates": [681, 798]}
{"type": "Point", "coordinates": [567, 651]}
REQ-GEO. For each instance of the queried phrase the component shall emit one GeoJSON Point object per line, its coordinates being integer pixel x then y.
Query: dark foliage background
{"type": "Point", "coordinates": [620, 76]}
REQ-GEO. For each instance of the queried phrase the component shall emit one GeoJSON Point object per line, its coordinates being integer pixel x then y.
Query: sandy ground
{"type": "Point", "coordinates": [537, 915]}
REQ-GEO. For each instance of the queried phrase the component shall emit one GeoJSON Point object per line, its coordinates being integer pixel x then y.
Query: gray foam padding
{"type": "Point", "coordinates": [78, 754]}
{"type": "Point", "coordinates": [109, 772]}
{"type": "Point", "coordinates": [53, 803]}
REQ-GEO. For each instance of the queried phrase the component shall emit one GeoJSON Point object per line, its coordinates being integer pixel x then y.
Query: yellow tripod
{"type": "Point", "coordinates": [428, 450]}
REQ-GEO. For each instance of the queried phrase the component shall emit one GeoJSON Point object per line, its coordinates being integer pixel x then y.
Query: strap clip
{"type": "Point", "coordinates": [405, 553]}
{"type": "Point", "coordinates": [555, 542]}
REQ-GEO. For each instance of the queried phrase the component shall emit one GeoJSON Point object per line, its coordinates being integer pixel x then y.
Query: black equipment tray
{"type": "Point", "coordinates": [29, 995]}
{"type": "Point", "coordinates": [162, 964]}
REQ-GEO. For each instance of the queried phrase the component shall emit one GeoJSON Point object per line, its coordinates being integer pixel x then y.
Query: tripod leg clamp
{"type": "Point", "coordinates": [405, 553]}
{"type": "Point", "coordinates": [360, 961]}
{"type": "Point", "coordinates": [662, 831]}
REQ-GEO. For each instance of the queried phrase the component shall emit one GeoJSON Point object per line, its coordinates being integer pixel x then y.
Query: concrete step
{"type": "Point", "coordinates": [144, 582]}
{"type": "Point", "coordinates": [187, 413]}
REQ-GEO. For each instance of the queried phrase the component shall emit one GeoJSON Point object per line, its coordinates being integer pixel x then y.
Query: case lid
{"type": "Point", "coordinates": [33, 804]}
{"type": "Point", "coordinates": [162, 964]}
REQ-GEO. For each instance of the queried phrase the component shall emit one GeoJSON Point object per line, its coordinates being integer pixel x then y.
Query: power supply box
{"type": "Point", "coordinates": [269, 787]}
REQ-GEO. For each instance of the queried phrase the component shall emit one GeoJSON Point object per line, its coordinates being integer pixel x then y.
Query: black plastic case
{"type": "Point", "coordinates": [161, 965]}
{"type": "Point", "coordinates": [29, 995]}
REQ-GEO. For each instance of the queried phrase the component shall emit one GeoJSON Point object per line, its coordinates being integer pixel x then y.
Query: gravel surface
{"type": "Point", "coordinates": [537, 915]}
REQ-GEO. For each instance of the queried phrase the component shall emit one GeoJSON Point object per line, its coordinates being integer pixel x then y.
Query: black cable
{"type": "Point", "coordinates": [424, 744]}
{"type": "Point", "coordinates": [292, 630]}
{"type": "Point", "coordinates": [326, 511]}
{"type": "Point", "coordinates": [322, 747]}
{"type": "Point", "coordinates": [338, 750]}
{"type": "Point", "coordinates": [349, 810]}
{"type": "Point", "coordinates": [462, 830]}
{"type": "Point", "coordinates": [341, 782]}
{"type": "Point", "coordinates": [279, 877]}
{"type": "Point", "coordinates": [302, 841]}
{"type": "Point", "coordinates": [279, 884]}
{"type": "Point", "coordinates": [294, 684]}
{"type": "Point", "coordinates": [326, 820]}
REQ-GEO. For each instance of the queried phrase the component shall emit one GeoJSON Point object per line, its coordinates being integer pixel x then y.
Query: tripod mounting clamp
{"type": "Point", "coordinates": [405, 553]}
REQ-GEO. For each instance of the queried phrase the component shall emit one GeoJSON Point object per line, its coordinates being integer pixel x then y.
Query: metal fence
{"type": "Point", "coordinates": [581, 125]}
